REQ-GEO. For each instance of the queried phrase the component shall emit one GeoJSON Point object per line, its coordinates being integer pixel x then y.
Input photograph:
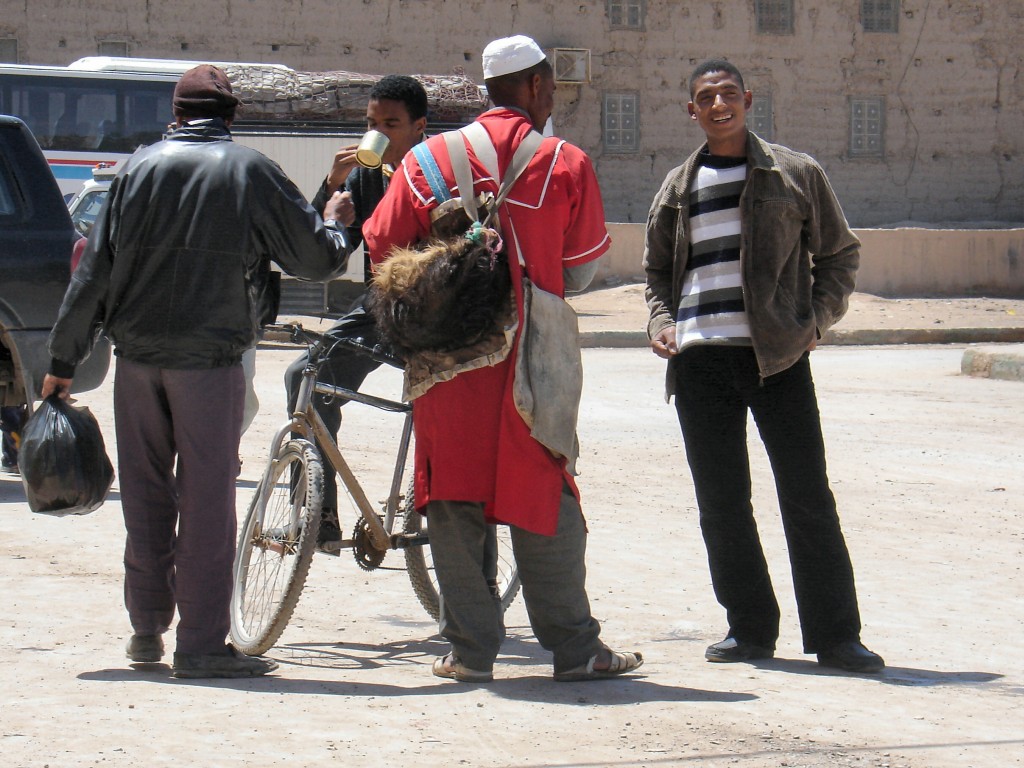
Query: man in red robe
{"type": "Point", "coordinates": [476, 461]}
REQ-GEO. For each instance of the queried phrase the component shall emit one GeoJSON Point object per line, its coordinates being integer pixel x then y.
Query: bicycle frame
{"type": "Point", "coordinates": [307, 422]}
{"type": "Point", "coordinates": [271, 566]}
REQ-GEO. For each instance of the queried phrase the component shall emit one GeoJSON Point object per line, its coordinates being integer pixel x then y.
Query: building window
{"type": "Point", "coordinates": [774, 17]}
{"type": "Point", "coordinates": [621, 122]}
{"type": "Point", "coordinates": [112, 48]}
{"type": "Point", "coordinates": [628, 14]}
{"type": "Point", "coordinates": [867, 127]}
{"type": "Point", "coordinates": [880, 15]}
{"type": "Point", "coordinates": [9, 50]}
{"type": "Point", "coordinates": [762, 116]}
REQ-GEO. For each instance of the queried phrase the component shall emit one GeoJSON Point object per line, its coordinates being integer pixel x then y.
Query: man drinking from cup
{"type": "Point", "coordinates": [397, 112]}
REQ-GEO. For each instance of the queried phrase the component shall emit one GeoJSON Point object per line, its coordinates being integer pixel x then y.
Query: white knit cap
{"type": "Point", "coordinates": [510, 54]}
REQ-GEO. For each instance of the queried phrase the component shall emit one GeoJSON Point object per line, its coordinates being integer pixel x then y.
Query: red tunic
{"type": "Point", "coordinates": [471, 443]}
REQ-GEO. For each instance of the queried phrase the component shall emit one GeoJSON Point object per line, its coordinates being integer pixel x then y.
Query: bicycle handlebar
{"type": "Point", "coordinates": [297, 334]}
{"type": "Point", "coordinates": [378, 352]}
{"type": "Point", "coordinates": [291, 332]}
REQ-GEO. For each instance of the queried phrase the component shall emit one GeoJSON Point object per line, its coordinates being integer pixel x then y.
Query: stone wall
{"type": "Point", "coordinates": [950, 77]}
{"type": "Point", "coordinates": [905, 262]}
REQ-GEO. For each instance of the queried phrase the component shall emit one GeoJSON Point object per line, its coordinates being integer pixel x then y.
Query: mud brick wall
{"type": "Point", "coordinates": [949, 78]}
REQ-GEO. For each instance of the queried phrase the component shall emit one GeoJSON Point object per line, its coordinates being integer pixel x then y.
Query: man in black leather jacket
{"type": "Point", "coordinates": [174, 272]}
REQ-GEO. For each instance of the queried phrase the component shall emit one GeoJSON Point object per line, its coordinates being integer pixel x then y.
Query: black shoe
{"type": "Point", "coordinates": [851, 656]}
{"type": "Point", "coordinates": [329, 532]}
{"type": "Point", "coordinates": [232, 663]}
{"type": "Point", "coordinates": [145, 649]}
{"type": "Point", "coordinates": [731, 650]}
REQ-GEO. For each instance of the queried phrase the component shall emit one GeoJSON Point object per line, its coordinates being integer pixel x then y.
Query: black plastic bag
{"type": "Point", "coordinates": [64, 464]}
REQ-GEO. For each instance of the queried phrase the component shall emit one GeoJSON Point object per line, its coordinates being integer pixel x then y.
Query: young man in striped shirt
{"type": "Point", "coordinates": [749, 260]}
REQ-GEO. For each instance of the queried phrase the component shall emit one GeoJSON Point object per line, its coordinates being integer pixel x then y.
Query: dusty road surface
{"type": "Point", "coordinates": [927, 468]}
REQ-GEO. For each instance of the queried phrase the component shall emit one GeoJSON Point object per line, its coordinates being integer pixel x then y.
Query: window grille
{"type": "Point", "coordinates": [9, 50]}
{"type": "Point", "coordinates": [774, 17]}
{"type": "Point", "coordinates": [112, 48]}
{"type": "Point", "coordinates": [867, 126]}
{"type": "Point", "coordinates": [762, 116]}
{"type": "Point", "coordinates": [880, 15]}
{"type": "Point", "coordinates": [621, 122]}
{"type": "Point", "coordinates": [627, 14]}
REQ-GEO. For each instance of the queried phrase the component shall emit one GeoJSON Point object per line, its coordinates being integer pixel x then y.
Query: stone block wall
{"type": "Point", "coordinates": [950, 78]}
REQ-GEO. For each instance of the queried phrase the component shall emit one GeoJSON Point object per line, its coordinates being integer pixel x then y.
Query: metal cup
{"type": "Point", "coordinates": [370, 151]}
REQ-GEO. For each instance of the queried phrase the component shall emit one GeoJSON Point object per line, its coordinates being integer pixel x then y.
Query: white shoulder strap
{"type": "Point", "coordinates": [524, 154]}
{"type": "Point", "coordinates": [463, 173]}
{"type": "Point", "coordinates": [484, 149]}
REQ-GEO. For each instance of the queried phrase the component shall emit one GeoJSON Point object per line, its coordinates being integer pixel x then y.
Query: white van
{"type": "Point", "coordinates": [86, 203]}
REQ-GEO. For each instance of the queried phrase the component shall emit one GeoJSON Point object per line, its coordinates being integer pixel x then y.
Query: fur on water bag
{"type": "Point", "coordinates": [445, 296]}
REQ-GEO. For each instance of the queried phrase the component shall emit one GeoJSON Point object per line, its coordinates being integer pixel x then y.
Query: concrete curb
{"type": "Point", "coordinates": [991, 362]}
{"type": "Point", "coordinates": [1005, 363]}
{"type": "Point", "coordinates": [864, 337]}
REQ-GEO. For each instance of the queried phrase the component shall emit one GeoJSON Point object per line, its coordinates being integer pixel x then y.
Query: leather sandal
{"type": "Point", "coordinates": [619, 664]}
{"type": "Point", "coordinates": [448, 666]}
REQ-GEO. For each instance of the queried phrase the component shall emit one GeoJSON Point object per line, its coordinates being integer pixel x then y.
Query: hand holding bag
{"type": "Point", "coordinates": [64, 464]}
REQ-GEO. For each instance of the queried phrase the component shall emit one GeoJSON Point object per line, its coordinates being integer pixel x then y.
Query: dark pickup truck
{"type": "Point", "coordinates": [36, 241]}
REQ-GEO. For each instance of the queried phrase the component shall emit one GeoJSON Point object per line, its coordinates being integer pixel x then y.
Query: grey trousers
{"type": "Point", "coordinates": [553, 573]}
{"type": "Point", "coordinates": [177, 448]}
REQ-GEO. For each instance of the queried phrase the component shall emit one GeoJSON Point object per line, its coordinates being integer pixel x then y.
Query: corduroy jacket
{"type": "Point", "coordinates": [798, 256]}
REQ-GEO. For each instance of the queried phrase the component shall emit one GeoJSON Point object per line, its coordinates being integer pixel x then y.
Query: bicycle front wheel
{"type": "Point", "coordinates": [276, 547]}
{"type": "Point", "coordinates": [502, 575]}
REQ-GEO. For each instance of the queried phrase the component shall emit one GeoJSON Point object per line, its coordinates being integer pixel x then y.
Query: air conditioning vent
{"type": "Point", "coordinates": [301, 297]}
{"type": "Point", "coordinates": [571, 65]}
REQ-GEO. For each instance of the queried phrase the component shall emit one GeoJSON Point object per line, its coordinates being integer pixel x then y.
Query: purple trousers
{"type": "Point", "coordinates": [177, 448]}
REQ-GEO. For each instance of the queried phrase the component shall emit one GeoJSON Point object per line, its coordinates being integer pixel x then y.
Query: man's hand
{"type": "Point", "coordinates": [52, 384]}
{"type": "Point", "coordinates": [340, 208]}
{"type": "Point", "coordinates": [664, 344]}
{"type": "Point", "coordinates": [344, 162]}
{"type": "Point", "coordinates": [346, 209]}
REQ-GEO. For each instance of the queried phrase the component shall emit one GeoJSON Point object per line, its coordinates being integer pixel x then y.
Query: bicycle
{"type": "Point", "coordinates": [279, 536]}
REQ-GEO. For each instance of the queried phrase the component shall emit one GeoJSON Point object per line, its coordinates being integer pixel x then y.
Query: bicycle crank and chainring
{"type": "Point", "coordinates": [366, 554]}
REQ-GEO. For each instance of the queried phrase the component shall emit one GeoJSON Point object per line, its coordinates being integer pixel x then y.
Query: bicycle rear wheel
{"type": "Point", "coordinates": [420, 565]}
{"type": "Point", "coordinates": [276, 547]}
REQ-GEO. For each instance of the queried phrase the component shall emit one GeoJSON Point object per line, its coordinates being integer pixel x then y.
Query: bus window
{"type": "Point", "coordinates": [147, 112]}
{"type": "Point", "coordinates": [75, 114]}
{"type": "Point", "coordinates": [81, 118]}
{"type": "Point", "coordinates": [69, 132]}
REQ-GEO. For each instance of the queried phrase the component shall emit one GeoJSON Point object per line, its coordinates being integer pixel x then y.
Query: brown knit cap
{"type": "Point", "coordinates": [204, 91]}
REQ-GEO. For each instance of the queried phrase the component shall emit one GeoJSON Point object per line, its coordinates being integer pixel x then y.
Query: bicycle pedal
{"type": "Point", "coordinates": [332, 548]}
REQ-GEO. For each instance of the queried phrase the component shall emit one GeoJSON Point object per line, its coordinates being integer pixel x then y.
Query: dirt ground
{"type": "Point", "coordinates": [926, 466]}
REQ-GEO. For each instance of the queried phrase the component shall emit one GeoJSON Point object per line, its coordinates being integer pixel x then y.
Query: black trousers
{"type": "Point", "coordinates": [715, 388]}
{"type": "Point", "coordinates": [344, 368]}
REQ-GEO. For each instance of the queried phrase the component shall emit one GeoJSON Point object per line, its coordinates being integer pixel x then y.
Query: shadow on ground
{"type": "Point", "coordinates": [891, 675]}
{"type": "Point", "coordinates": [520, 653]}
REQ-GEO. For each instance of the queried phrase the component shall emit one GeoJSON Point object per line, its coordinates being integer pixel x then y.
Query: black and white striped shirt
{"type": "Point", "coordinates": [711, 306]}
